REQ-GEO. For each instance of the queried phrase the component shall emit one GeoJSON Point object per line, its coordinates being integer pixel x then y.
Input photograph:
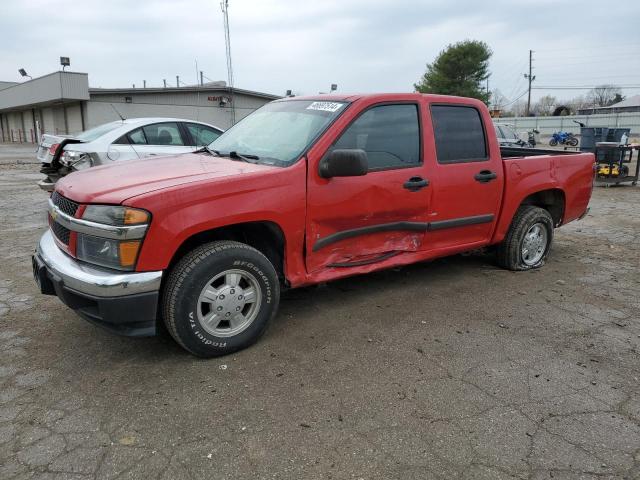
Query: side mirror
{"type": "Point", "coordinates": [344, 163]}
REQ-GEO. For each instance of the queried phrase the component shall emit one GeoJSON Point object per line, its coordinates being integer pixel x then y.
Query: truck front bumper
{"type": "Point", "coordinates": [124, 303]}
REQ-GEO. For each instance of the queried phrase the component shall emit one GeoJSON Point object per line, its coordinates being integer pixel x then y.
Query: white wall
{"type": "Point", "coordinates": [548, 125]}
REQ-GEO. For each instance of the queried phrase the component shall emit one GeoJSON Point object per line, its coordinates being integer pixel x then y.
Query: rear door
{"type": "Point", "coordinates": [467, 176]}
{"type": "Point", "coordinates": [354, 221]}
{"type": "Point", "coordinates": [163, 139]}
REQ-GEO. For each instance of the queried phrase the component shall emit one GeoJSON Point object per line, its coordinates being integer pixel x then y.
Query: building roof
{"type": "Point", "coordinates": [205, 87]}
{"type": "Point", "coordinates": [628, 102]}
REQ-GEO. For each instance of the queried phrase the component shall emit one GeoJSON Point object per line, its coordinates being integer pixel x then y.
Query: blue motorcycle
{"type": "Point", "coordinates": [563, 138]}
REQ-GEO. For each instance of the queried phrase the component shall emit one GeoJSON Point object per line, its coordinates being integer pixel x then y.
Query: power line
{"type": "Point", "coordinates": [581, 87]}
{"type": "Point", "coordinates": [516, 99]}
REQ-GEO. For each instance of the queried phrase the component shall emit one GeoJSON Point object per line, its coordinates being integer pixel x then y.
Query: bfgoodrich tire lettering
{"type": "Point", "coordinates": [528, 220]}
{"type": "Point", "coordinates": [208, 287]}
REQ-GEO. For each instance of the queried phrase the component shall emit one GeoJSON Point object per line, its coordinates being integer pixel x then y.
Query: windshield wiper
{"type": "Point", "coordinates": [206, 149]}
{"type": "Point", "coordinates": [246, 157]}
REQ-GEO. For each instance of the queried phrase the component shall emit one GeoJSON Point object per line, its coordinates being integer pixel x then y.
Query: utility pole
{"type": "Point", "coordinates": [531, 78]}
{"type": "Point", "coordinates": [224, 5]}
{"type": "Point", "coordinates": [488, 94]}
{"type": "Point", "coordinates": [164, 81]}
{"type": "Point", "coordinates": [201, 78]}
{"type": "Point", "coordinates": [178, 81]}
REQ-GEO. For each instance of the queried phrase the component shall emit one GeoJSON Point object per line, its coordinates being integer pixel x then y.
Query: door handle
{"type": "Point", "coordinates": [485, 176]}
{"type": "Point", "coordinates": [415, 183]}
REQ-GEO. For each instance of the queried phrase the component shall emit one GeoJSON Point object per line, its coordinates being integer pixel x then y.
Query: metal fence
{"type": "Point", "coordinates": [548, 125]}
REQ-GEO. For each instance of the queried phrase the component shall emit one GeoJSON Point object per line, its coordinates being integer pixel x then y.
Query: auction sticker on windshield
{"type": "Point", "coordinates": [325, 106]}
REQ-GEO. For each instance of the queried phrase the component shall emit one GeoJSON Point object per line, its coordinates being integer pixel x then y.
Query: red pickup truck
{"type": "Point", "coordinates": [302, 191]}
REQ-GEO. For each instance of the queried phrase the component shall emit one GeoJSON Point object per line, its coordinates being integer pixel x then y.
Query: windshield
{"type": "Point", "coordinates": [278, 132]}
{"type": "Point", "coordinates": [93, 133]}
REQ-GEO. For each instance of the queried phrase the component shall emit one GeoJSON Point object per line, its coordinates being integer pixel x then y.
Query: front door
{"type": "Point", "coordinates": [353, 221]}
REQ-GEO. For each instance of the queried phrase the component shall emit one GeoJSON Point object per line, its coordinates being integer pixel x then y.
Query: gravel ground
{"type": "Point", "coordinates": [449, 369]}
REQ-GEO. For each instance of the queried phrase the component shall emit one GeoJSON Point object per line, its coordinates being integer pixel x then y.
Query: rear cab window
{"type": "Point", "coordinates": [459, 134]}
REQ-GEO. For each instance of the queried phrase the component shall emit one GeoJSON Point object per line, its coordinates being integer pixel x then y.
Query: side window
{"type": "Point", "coordinates": [459, 134]}
{"type": "Point", "coordinates": [390, 134]}
{"type": "Point", "coordinates": [163, 134]}
{"type": "Point", "coordinates": [123, 140]}
{"type": "Point", "coordinates": [137, 137]}
{"type": "Point", "coordinates": [201, 134]}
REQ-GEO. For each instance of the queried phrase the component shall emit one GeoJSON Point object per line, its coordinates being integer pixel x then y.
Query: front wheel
{"type": "Point", "coordinates": [553, 142]}
{"type": "Point", "coordinates": [528, 240]}
{"type": "Point", "coordinates": [219, 298]}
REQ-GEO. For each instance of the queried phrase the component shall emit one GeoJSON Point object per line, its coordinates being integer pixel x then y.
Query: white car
{"type": "Point", "coordinates": [120, 140]}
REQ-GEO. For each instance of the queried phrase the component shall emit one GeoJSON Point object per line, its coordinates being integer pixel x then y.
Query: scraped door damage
{"type": "Point", "coordinates": [358, 220]}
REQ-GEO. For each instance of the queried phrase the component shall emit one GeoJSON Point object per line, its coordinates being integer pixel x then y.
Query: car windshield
{"type": "Point", "coordinates": [96, 132]}
{"type": "Point", "coordinates": [278, 132]}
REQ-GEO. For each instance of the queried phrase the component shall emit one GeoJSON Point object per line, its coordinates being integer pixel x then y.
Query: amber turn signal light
{"type": "Point", "coordinates": [128, 253]}
{"type": "Point", "coordinates": [134, 216]}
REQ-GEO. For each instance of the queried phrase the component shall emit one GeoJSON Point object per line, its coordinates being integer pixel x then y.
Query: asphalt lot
{"type": "Point", "coordinates": [451, 369]}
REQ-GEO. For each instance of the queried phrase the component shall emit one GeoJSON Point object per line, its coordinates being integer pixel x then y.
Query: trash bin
{"type": "Point", "coordinates": [589, 136]}
{"type": "Point", "coordinates": [615, 134]}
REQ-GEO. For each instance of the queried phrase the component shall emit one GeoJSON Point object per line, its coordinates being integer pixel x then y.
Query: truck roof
{"type": "Point", "coordinates": [351, 97]}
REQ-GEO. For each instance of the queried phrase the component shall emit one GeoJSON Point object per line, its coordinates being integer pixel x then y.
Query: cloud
{"type": "Point", "coordinates": [363, 46]}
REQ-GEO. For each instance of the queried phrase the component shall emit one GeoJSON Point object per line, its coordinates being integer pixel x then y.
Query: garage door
{"type": "Point", "coordinates": [74, 118]}
{"type": "Point", "coordinates": [47, 121]}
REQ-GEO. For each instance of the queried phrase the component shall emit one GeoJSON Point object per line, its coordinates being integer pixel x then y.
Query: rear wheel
{"type": "Point", "coordinates": [573, 141]}
{"type": "Point", "coordinates": [528, 240]}
{"type": "Point", "coordinates": [219, 298]}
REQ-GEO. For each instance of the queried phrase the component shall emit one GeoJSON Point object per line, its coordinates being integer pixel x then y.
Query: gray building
{"type": "Point", "coordinates": [630, 105]}
{"type": "Point", "coordinates": [63, 103]}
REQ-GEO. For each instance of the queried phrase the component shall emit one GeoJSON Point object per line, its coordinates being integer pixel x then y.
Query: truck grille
{"type": "Point", "coordinates": [64, 204]}
{"type": "Point", "coordinates": [61, 233]}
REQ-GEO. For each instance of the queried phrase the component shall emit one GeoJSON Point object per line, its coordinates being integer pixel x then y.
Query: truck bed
{"type": "Point", "coordinates": [517, 152]}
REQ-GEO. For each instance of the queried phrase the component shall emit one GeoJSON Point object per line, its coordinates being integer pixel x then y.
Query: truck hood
{"type": "Point", "coordinates": [113, 184]}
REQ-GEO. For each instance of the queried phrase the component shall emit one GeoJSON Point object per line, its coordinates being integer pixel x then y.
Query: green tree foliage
{"type": "Point", "coordinates": [460, 69]}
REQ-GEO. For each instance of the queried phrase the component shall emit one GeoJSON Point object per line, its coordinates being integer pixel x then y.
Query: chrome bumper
{"type": "Point", "coordinates": [90, 280]}
{"type": "Point", "coordinates": [46, 186]}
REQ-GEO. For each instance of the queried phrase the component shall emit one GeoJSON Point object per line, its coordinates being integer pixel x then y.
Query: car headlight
{"type": "Point", "coordinates": [77, 160]}
{"type": "Point", "coordinates": [110, 252]}
{"type": "Point", "coordinates": [115, 215]}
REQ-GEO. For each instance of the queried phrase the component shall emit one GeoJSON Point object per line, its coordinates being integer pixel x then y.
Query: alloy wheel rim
{"type": "Point", "coordinates": [534, 244]}
{"type": "Point", "coordinates": [229, 303]}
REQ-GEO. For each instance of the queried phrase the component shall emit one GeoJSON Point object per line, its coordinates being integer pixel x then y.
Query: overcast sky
{"type": "Point", "coordinates": [362, 45]}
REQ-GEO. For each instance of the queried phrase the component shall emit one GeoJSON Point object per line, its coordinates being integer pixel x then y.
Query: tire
{"type": "Point", "coordinates": [510, 253]}
{"type": "Point", "coordinates": [203, 305]}
{"type": "Point", "coordinates": [553, 142]}
{"type": "Point", "coordinates": [573, 142]}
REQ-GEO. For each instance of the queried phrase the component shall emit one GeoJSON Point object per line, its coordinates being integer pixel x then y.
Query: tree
{"type": "Point", "coordinates": [578, 103]}
{"type": "Point", "coordinates": [545, 105]}
{"type": "Point", "coordinates": [617, 99]}
{"type": "Point", "coordinates": [604, 95]}
{"type": "Point", "coordinates": [498, 100]}
{"type": "Point", "coordinates": [460, 69]}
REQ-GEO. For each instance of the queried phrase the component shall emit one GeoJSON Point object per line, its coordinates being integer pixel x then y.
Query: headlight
{"type": "Point", "coordinates": [115, 215]}
{"type": "Point", "coordinates": [109, 252]}
{"type": "Point", "coordinates": [121, 255]}
{"type": "Point", "coordinates": [77, 160]}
